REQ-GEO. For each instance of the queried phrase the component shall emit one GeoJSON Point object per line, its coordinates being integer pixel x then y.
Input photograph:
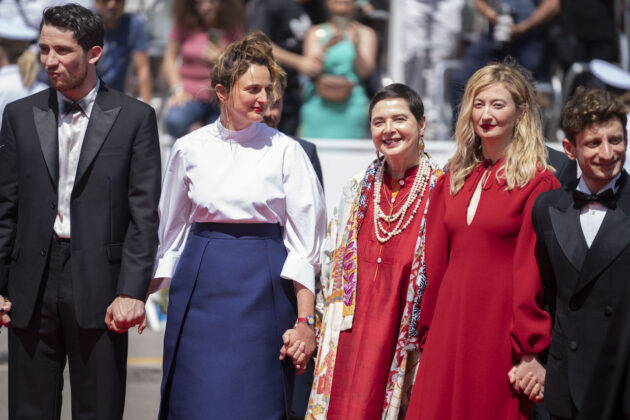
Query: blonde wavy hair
{"type": "Point", "coordinates": [526, 153]}
{"type": "Point", "coordinates": [28, 66]}
{"type": "Point", "coordinates": [17, 52]}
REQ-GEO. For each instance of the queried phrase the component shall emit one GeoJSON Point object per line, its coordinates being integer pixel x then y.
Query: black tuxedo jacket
{"type": "Point", "coordinates": [617, 403]}
{"type": "Point", "coordinates": [583, 287]}
{"type": "Point", "coordinates": [566, 169]}
{"type": "Point", "coordinates": [311, 151]}
{"type": "Point", "coordinates": [113, 203]}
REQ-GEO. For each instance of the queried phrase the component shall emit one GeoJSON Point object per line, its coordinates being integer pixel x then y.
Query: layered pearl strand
{"type": "Point", "coordinates": [417, 192]}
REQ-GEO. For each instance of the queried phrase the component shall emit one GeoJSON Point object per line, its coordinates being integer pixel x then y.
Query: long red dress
{"type": "Point", "coordinates": [365, 352]}
{"type": "Point", "coordinates": [482, 309]}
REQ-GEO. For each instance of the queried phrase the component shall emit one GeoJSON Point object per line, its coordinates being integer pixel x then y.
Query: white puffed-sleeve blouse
{"type": "Point", "coordinates": [255, 175]}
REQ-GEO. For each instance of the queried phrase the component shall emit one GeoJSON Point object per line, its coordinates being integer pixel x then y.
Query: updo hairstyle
{"type": "Point", "coordinates": [236, 59]}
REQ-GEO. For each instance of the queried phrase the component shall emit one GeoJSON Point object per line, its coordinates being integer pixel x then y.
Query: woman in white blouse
{"type": "Point", "coordinates": [242, 220]}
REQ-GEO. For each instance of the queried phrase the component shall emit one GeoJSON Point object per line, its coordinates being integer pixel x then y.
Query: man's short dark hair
{"type": "Point", "coordinates": [591, 106]}
{"type": "Point", "coordinates": [86, 26]}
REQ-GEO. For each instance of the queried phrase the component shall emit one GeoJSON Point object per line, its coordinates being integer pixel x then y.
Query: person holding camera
{"type": "Point", "coordinates": [516, 28]}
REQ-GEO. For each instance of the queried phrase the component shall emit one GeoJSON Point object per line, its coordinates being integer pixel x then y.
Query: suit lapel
{"type": "Point", "coordinates": [565, 220]}
{"type": "Point", "coordinates": [101, 121]}
{"type": "Point", "coordinates": [612, 238]}
{"type": "Point", "coordinates": [46, 126]}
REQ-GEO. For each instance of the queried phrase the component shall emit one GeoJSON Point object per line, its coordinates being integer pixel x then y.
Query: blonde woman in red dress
{"type": "Point", "coordinates": [482, 326]}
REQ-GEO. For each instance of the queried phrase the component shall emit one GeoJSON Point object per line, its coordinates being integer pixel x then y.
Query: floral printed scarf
{"type": "Point", "coordinates": [338, 298]}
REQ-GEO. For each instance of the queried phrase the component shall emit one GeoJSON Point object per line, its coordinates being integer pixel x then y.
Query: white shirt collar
{"type": "Point", "coordinates": [612, 184]}
{"type": "Point", "coordinates": [87, 102]}
{"type": "Point", "coordinates": [240, 136]}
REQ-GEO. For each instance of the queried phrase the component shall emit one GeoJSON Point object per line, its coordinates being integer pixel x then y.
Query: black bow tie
{"type": "Point", "coordinates": [606, 198]}
{"type": "Point", "coordinates": [68, 107]}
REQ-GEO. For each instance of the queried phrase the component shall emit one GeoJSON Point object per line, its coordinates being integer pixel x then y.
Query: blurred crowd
{"type": "Point", "coordinates": [337, 53]}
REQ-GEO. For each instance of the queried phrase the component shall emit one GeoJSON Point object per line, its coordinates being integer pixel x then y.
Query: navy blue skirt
{"type": "Point", "coordinates": [228, 307]}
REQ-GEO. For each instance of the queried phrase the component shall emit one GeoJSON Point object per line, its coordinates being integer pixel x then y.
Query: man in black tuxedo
{"type": "Point", "coordinates": [583, 239]}
{"type": "Point", "coordinates": [80, 171]}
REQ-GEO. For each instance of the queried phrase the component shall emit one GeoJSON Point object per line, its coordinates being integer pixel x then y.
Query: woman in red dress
{"type": "Point", "coordinates": [481, 314]}
{"type": "Point", "coordinates": [373, 271]}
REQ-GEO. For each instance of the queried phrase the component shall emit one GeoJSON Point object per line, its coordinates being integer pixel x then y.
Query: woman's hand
{"type": "Point", "coordinates": [210, 52]}
{"type": "Point", "coordinates": [178, 98]}
{"type": "Point", "coordinates": [528, 377]}
{"type": "Point", "coordinates": [310, 66]}
{"type": "Point", "coordinates": [354, 29]}
{"type": "Point", "coordinates": [299, 344]}
{"type": "Point", "coordinates": [336, 38]}
{"type": "Point", "coordinates": [299, 341]}
{"type": "Point", "coordinates": [5, 308]}
{"type": "Point", "coordinates": [516, 31]}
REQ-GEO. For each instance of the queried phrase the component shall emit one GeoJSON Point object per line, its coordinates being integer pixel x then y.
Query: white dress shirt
{"type": "Point", "coordinates": [255, 175]}
{"type": "Point", "coordinates": [71, 130]}
{"type": "Point", "coordinates": [12, 88]}
{"type": "Point", "coordinates": [592, 214]}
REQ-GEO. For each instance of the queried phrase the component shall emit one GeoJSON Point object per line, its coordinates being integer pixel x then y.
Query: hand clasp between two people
{"type": "Point", "coordinates": [299, 344]}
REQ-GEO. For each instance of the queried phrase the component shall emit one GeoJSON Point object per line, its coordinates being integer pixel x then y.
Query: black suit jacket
{"type": "Point", "coordinates": [113, 203]}
{"type": "Point", "coordinates": [617, 403]}
{"type": "Point", "coordinates": [583, 287]}
{"type": "Point", "coordinates": [566, 169]}
{"type": "Point", "coordinates": [311, 152]}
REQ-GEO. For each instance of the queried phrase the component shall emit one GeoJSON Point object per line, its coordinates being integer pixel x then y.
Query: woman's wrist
{"type": "Point", "coordinates": [301, 325]}
{"type": "Point", "coordinates": [308, 320]}
{"type": "Point", "coordinates": [178, 88]}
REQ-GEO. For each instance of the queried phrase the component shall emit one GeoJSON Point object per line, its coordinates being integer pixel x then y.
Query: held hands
{"type": "Point", "coordinates": [5, 308]}
{"type": "Point", "coordinates": [125, 312]}
{"type": "Point", "coordinates": [528, 377]}
{"type": "Point", "coordinates": [299, 344]}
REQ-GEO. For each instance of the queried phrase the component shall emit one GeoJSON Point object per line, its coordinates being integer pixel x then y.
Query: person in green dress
{"type": "Point", "coordinates": [334, 104]}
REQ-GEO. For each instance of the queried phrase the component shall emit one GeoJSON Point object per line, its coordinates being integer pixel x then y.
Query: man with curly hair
{"type": "Point", "coordinates": [583, 237]}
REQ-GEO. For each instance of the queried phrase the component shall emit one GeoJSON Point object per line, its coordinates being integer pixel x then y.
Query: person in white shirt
{"type": "Point", "coordinates": [242, 221]}
{"type": "Point", "coordinates": [583, 240]}
{"type": "Point", "coordinates": [18, 65]}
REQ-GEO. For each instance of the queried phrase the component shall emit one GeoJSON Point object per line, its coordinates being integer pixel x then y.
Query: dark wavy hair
{"type": "Point", "coordinates": [591, 106]}
{"type": "Point", "coordinates": [398, 90]}
{"type": "Point", "coordinates": [86, 26]}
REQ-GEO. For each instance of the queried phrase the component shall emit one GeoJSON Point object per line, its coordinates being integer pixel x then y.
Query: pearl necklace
{"type": "Point", "coordinates": [417, 192]}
